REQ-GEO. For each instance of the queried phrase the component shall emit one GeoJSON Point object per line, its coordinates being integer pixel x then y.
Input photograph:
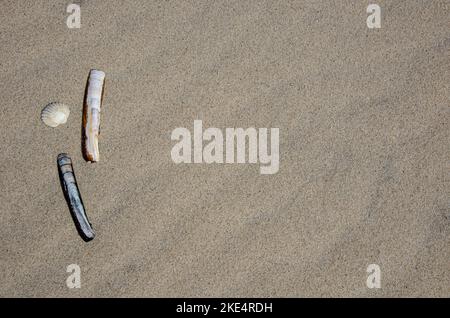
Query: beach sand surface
{"type": "Point", "coordinates": [364, 149]}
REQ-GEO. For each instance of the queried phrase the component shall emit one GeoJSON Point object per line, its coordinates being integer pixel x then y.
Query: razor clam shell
{"type": "Point", "coordinates": [91, 115]}
{"type": "Point", "coordinates": [73, 197]}
{"type": "Point", "coordinates": [55, 114]}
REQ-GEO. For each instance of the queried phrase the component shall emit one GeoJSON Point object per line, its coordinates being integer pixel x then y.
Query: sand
{"type": "Point", "coordinates": [364, 149]}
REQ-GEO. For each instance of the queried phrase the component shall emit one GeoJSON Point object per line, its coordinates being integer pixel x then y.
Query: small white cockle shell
{"type": "Point", "coordinates": [55, 114]}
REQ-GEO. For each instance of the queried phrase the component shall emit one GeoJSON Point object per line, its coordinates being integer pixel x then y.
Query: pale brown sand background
{"type": "Point", "coordinates": [364, 146]}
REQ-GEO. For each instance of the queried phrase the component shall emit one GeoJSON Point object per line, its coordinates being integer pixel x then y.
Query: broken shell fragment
{"type": "Point", "coordinates": [91, 115]}
{"type": "Point", "coordinates": [55, 114]}
{"type": "Point", "coordinates": [73, 197]}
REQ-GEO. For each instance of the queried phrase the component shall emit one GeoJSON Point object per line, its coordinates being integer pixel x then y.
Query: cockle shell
{"type": "Point", "coordinates": [55, 114]}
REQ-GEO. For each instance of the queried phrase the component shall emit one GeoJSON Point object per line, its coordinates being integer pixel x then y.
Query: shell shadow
{"type": "Point", "coordinates": [83, 121]}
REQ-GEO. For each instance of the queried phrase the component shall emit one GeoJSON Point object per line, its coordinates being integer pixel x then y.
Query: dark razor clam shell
{"type": "Point", "coordinates": [73, 197]}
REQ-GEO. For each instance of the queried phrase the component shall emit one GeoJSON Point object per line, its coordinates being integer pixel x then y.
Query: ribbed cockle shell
{"type": "Point", "coordinates": [55, 114]}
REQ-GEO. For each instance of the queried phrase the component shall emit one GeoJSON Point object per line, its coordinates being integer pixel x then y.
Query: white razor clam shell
{"type": "Point", "coordinates": [91, 115]}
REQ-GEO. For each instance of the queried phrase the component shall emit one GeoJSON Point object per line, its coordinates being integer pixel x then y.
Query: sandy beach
{"type": "Point", "coordinates": [364, 147]}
